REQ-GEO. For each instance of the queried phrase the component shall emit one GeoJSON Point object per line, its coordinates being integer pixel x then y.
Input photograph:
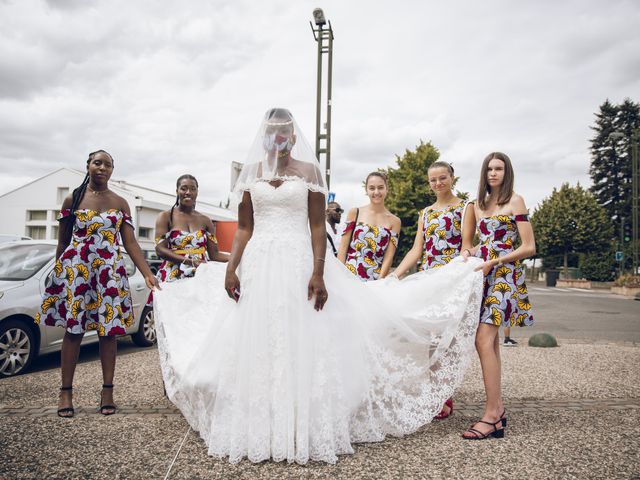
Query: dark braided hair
{"type": "Point", "coordinates": [78, 193]}
{"type": "Point", "coordinates": [186, 176]}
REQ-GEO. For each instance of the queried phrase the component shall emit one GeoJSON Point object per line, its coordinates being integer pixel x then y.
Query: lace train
{"type": "Point", "coordinates": [269, 377]}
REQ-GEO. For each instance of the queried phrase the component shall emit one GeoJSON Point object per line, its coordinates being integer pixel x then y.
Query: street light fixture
{"type": "Point", "coordinates": [324, 38]}
{"type": "Point", "coordinates": [318, 17]}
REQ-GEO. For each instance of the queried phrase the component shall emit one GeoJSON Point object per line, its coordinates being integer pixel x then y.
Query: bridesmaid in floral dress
{"type": "Point", "coordinates": [89, 289]}
{"type": "Point", "coordinates": [502, 220]}
{"type": "Point", "coordinates": [370, 239]}
{"type": "Point", "coordinates": [184, 237]}
{"type": "Point", "coordinates": [438, 237]}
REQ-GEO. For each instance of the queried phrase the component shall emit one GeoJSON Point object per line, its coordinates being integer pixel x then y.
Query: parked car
{"type": "Point", "coordinates": [24, 268]}
{"type": "Point", "coordinates": [7, 237]}
{"type": "Point", "coordinates": [154, 264]}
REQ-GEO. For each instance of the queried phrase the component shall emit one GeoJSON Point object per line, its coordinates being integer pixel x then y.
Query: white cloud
{"type": "Point", "coordinates": [171, 87]}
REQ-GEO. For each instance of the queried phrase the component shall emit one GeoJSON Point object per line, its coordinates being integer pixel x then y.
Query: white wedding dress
{"type": "Point", "coordinates": [271, 378]}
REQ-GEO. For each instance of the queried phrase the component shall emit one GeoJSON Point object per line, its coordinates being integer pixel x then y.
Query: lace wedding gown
{"type": "Point", "coordinates": [271, 378]}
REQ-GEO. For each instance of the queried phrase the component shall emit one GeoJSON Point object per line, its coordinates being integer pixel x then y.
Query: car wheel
{"type": "Point", "coordinates": [146, 334]}
{"type": "Point", "coordinates": [17, 347]}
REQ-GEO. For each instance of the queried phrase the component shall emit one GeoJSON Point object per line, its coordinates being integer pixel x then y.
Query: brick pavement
{"type": "Point", "coordinates": [461, 408]}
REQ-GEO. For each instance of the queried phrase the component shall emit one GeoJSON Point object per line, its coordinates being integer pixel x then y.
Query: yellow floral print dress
{"type": "Point", "coordinates": [89, 288]}
{"type": "Point", "coordinates": [182, 242]}
{"type": "Point", "coordinates": [442, 230]}
{"type": "Point", "coordinates": [506, 301]}
{"type": "Point", "coordinates": [367, 248]}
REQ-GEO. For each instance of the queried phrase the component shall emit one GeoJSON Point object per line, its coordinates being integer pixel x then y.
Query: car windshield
{"type": "Point", "coordinates": [20, 261]}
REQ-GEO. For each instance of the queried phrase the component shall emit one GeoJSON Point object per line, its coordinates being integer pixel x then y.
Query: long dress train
{"type": "Point", "coordinates": [269, 377]}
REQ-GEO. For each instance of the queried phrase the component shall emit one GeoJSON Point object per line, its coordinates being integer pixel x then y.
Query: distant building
{"type": "Point", "coordinates": [32, 209]}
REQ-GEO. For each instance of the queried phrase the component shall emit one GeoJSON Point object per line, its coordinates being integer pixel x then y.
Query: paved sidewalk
{"type": "Point", "coordinates": [574, 412]}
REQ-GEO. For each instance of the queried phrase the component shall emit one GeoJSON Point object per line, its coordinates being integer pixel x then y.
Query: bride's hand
{"type": "Point", "coordinates": [232, 285]}
{"type": "Point", "coordinates": [317, 289]}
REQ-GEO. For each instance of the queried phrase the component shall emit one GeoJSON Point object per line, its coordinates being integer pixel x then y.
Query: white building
{"type": "Point", "coordinates": [32, 209]}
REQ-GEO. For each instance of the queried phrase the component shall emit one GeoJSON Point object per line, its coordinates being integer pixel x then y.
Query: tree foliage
{"type": "Point", "coordinates": [409, 191]}
{"type": "Point", "coordinates": [610, 167]}
{"type": "Point", "coordinates": [570, 221]}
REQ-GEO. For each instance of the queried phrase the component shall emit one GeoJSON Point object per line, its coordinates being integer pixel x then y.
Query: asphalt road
{"type": "Point", "coordinates": [590, 315]}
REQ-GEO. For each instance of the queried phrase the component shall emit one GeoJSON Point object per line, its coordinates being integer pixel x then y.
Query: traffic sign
{"type": "Point", "coordinates": [619, 256]}
{"type": "Point", "coordinates": [331, 197]}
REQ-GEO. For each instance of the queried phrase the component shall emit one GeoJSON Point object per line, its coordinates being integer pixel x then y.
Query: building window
{"type": "Point", "coordinates": [144, 232]}
{"type": "Point", "coordinates": [36, 214]}
{"type": "Point", "coordinates": [54, 232]}
{"type": "Point", "coordinates": [62, 194]}
{"type": "Point", "coordinates": [37, 233]}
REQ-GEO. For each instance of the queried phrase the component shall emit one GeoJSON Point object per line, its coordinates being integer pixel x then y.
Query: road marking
{"type": "Point", "coordinates": [578, 292]}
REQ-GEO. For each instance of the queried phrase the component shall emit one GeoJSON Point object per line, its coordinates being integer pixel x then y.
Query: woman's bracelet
{"type": "Point", "coordinates": [467, 250]}
{"type": "Point", "coordinates": [318, 259]}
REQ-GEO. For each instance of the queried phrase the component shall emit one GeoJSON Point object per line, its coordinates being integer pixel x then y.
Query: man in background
{"type": "Point", "coordinates": [333, 214]}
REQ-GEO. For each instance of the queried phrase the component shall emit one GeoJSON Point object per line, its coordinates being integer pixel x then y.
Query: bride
{"type": "Point", "coordinates": [299, 359]}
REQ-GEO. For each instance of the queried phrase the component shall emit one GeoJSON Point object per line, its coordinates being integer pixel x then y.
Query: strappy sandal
{"type": "Point", "coordinates": [478, 435]}
{"type": "Point", "coordinates": [442, 415]}
{"type": "Point", "coordinates": [503, 418]}
{"type": "Point", "coordinates": [66, 412]}
{"type": "Point", "coordinates": [106, 409]}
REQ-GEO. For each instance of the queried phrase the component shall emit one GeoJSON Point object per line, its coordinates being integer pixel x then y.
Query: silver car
{"type": "Point", "coordinates": [24, 268]}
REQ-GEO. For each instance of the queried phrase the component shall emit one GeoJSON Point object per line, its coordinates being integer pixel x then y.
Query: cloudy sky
{"type": "Point", "coordinates": [172, 87]}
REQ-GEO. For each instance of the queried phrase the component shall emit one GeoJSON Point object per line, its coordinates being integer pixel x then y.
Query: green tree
{"type": "Point", "coordinates": [409, 191]}
{"type": "Point", "coordinates": [599, 266]}
{"type": "Point", "coordinates": [610, 167]}
{"type": "Point", "coordinates": [570, 221]}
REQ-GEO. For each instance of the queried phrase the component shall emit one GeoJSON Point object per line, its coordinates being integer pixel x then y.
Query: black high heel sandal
{"type": "Point", "coordinates": [106, 409]}
{"type": "Point", "coordinates": [503, 418]}
{"type": "Point", "coordinates": [67, 410]}
{"type": "Point", "coordinates": [478, 435]}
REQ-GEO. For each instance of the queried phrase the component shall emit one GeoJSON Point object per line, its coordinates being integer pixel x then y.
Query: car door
{"type": "Point", "coordinates": [139, 291]}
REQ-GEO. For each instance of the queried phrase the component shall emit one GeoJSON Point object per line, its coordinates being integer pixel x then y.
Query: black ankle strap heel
{"type": "Point", "coordinates": [66, 412]}
{"type": "Point", "coordinates": [106, 409]}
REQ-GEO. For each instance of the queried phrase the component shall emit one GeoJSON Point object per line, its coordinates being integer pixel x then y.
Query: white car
{"type": "Point", "coordinates": [24, 268]}
{"type": "Point", "coordinates": [7, 237]}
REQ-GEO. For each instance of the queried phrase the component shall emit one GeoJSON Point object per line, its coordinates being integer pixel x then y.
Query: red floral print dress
{"type": "Point", "coordinates": [442, 230]}
{"type": "Point", "coordinates": [506, 301]}
{"type": "Point", "coordinates": [89, 288]}
{"type": "Point", "coordinates": [181, 242]}
{"type": "Point", "coordinates": [367, 248]}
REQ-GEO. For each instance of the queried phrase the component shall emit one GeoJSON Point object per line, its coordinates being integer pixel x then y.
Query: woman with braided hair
{"type": "Point", "coordinates": [89, 288]}
{"type": "Point", "coordinates": [185, 238]}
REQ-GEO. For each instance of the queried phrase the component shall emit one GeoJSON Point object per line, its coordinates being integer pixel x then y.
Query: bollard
{"type": "Point", "coordinates": [543, 340]}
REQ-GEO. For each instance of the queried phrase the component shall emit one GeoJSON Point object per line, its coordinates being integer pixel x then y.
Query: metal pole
{"type": "Point", "coordinates": [329, 75]}
{"type": "Point", "coordinates": [634, 198]}
{"type": "Point", "coordinates": [319, 89]}
{"type": "Point", "coordinates": [621, 245]}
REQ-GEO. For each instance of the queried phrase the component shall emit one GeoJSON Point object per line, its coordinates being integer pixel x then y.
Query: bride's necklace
{"type": "Point", "coordinates": [97, 192]}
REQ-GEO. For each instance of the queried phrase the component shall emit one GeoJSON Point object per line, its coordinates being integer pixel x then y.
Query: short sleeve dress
{"type": "Point", "coordinates": [506, 301]}
{"type": "Point", "coordinates": [89, 287]}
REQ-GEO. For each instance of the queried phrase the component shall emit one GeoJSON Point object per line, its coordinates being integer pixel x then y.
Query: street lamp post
{"type": "Point", "coordinates": [323, 35]}
{"type": "Point", "coordinates": [635, 190]}
{"type": "Point", "coordinates": [635, 138]}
